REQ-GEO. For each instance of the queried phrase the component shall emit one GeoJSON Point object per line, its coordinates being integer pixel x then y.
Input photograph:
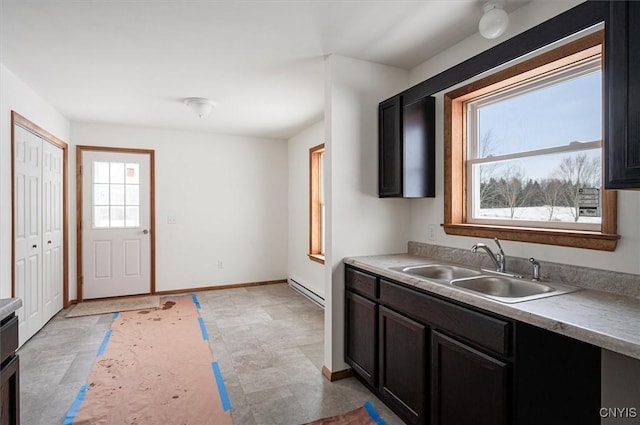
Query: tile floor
{"type": "Point", "coordinates": [268, 341]}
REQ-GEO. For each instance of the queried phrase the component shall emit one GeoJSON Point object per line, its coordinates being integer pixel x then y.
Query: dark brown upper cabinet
{"type": "Point", "coordinates": [622, 94]}
{"type": "Point", "coordinates": [406, 147]}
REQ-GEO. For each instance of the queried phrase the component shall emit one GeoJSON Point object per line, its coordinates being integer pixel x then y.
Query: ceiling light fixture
{"type": "Point", "coordinates": [495, 20]}
{"type": "Point", "coordinates": [200, 105]}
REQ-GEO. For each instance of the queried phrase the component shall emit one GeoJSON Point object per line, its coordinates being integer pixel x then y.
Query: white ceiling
{"type": "Point", "coordinates": [132, 62]}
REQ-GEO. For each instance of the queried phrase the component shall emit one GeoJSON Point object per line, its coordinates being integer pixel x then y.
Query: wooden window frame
{"type": "Point", "coordinates": [455, 145]}
{"type": "Point", "coordinates": [316, 252]}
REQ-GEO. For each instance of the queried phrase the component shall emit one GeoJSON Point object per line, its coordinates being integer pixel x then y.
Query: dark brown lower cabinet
{"type": "Point", "coordinates": [9, 372]}
{"type": "Point", "coordinates": [435, 361]}
{"type": "Point", "coordinates": [10, 393]}
{"type": "Point", "coordinates": [468, 387]}
{"type": "Point", "coordinates": [403, 372]}
{"type": "Point", "coordinates": [361, 336]}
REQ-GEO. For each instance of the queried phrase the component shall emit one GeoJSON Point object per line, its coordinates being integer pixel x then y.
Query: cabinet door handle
{"type": "Point", "coordinates": [34, 246]}
{"type": "Point", "coordinates": [49, 242]}
{"type": "Point", "coordinates": [145, 231]}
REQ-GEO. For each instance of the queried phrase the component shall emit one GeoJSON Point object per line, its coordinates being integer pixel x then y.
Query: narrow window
{"type": "Point", "coordinates": [524, 152]}
{"type": "Point", "coordinates": [316, 203]}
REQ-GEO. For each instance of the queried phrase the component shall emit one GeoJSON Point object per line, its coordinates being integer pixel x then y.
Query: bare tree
{"type": "Point", "coordinates": [551, 190]}
{"type": "Point", "coordinates": [577, 172]}
{"type": "Point", "coordinates": [512, 188]}
{"type": "Point", "coordinates": [485, 149]}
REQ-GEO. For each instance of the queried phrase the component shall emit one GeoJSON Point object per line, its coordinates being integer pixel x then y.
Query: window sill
{"type": "Point", "coordinates": [561, 237]}
{"type": "Point", "coordinates": [318, 258]}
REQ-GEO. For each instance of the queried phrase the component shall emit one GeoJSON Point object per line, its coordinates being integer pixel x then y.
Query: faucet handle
{"type": "Point", "coordinates": [535, 275]}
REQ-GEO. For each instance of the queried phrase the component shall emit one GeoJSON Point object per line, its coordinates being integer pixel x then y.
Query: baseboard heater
{"type": "Point", "coordinates": [306, 292]}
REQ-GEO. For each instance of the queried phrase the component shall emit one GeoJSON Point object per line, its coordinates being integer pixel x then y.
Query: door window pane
{"type": "Point", "coordinates": [132, 195]}
{"type": "Point", "coordinates": [117, 172]}
{"type": "Point", "coordinates": [116, 194]}
{"type": "Point", "coordinates": [117, 216]}
{"type": "Point", "coordinates": [101, 217]}
{"type": "Point", "coordinates": [100, 172]}
{"type": "Point", "coordinates": [132, 174]}
{"type": "Point", "coordinates": [132, 217]}
{"type": "Point", "coordinates": [100, 194]}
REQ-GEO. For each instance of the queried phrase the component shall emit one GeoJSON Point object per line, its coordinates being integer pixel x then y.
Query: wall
{"type": "Point", "coordinates": [620, 388]}
{"type": "Point", "coordinates": [229, 197]}
{"type": "Point", "coordinates": [17, 96]}
{"type": "Point", "coordinates": [309, 274]}
{"type": "Point", "coordinates": [357, 221]}
{"type": "Point", "coordinates": [619, 373]}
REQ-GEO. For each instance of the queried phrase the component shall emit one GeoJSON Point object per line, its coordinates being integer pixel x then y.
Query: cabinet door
{"type": "Point", "coordinates": [10, 393]}
{"type": "Point", "coordinates": [361, 345]}
{"type": "Point", "coordinates": [403, 373]}
{"type": "Point", "coordinates": [622, 90]}
{"type": "Point", "coordinates": [468, 387]}
{"type": "Point", "coordinates": [390, 148]}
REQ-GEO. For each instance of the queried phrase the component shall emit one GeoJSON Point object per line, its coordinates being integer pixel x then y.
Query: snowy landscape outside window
{"type": "Point", "coordinates": [523, 150]}
{"type": "Point", "coordinates": [535, 151]}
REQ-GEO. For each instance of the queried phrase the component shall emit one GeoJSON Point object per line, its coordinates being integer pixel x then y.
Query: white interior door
{"type": "Point", "coordinates": [52, 229]}
{"type": "Point", "coordinates": [116, 218]}
{"type": "Point", "coordinates": [28, 230]}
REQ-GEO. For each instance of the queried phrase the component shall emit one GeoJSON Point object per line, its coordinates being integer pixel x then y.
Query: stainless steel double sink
{"type": "Point", "coordinates": [488, 284]}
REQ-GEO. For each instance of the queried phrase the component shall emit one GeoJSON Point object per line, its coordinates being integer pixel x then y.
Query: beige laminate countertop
{"type": "Point", "coordinates": [8, 306]}
{"type": "Point", "coordinates": [603, 319]}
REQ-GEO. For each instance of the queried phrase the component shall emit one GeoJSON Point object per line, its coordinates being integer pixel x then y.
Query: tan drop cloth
{"type": "Point", "coordinates": [155, 370]}
{"type": "Point", "coordinates": [359, 416]}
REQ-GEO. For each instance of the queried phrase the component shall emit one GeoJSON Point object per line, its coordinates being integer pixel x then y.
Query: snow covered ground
{"type": "Point", "coordinates": [560, 214]}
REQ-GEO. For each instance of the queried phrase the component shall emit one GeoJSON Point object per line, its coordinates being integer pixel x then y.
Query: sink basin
{"type": "Point", "coordinates": [510, 290]}
{"type": "Point", "coordinates": [439, 271]}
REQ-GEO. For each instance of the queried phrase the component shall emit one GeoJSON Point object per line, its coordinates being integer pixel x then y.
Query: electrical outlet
{"type": "Point", "coordinates": [220, 264]}
{"type": "Point", "coordinates": [433, 232]}
{"type": "Point", "coordinates": [171, 219]}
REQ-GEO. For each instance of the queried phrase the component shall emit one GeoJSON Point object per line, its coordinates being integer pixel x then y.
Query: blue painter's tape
{"type": "Point", "coordinates": [371, 410]}
{"type": "Point", "coordinates": [203, 329]}
{"type": "Point", "coordinates": [107, 335]}
{"type": "Point", "coordinates": [224, 397]}
{"type": "Point", "coordinates": [73, 410]}
{"type": "Point", "coordinates": [195, 301]}
{"type": "Point", "coordinates": [115, 315]}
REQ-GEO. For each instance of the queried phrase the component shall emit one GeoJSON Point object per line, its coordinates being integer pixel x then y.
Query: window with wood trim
{"type": "Point", "coordinates": [316, 203]}
{"type": "Point", "coordinates": [523, 152]}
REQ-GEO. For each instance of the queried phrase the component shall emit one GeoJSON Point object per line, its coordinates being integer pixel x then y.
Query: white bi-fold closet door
{"type": "Point", "coordinates": [38, 229]}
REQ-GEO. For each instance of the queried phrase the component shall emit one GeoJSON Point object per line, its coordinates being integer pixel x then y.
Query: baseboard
{"type": "Point", "coordinates": [211, 288]}
{"type": "Point", "coordinates": [204, 288]}
{"type": "Point", "coordinates": [306, 292]}
{"type": "Point", "coordinates": [337, 375]}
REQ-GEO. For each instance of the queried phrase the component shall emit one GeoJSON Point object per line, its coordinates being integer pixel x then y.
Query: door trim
{"type": "Point", "coordinates": [80, 149]}
{"type": "Point", "coordinates": [16, 118]}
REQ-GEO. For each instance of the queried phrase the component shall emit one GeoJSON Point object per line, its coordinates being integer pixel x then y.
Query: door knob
{"type": "Point", "coordinates": [145, 231]}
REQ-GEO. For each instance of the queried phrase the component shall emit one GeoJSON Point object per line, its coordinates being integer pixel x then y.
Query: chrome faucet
{"type": "Point", "coordinates": [497, 258]}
